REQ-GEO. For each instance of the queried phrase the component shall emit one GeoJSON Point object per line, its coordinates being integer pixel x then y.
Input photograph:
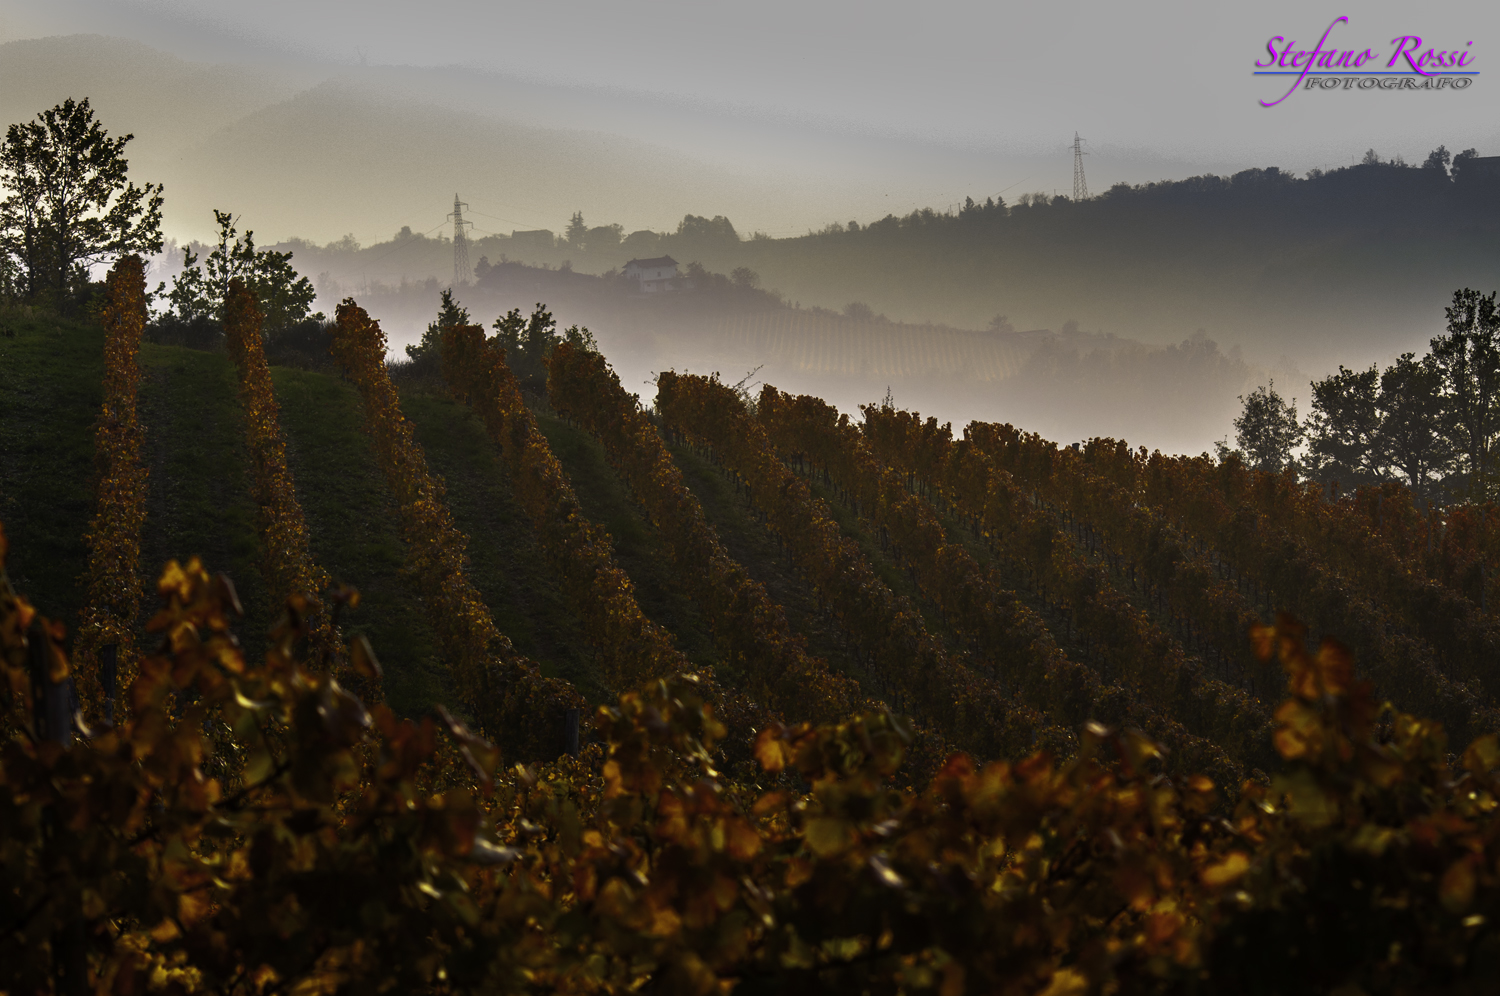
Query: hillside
{"type": "Point", "coordinates": [199, 504]}
{"type": "Point", "coordinates": [1064, 382]}
{"type": "Point", "coordinates": [264, 140]}
{"type": "Point", "coordinates": [1028, 672]}
{"type": "Point", "coordinates": [1352, 265]}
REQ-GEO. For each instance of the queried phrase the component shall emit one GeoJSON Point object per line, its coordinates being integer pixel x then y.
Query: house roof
{"type": "Point", "coordinates": [658, 261]}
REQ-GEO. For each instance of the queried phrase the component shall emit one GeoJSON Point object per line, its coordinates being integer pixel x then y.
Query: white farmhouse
{"type": "Point", "coordinates": [654, 275]}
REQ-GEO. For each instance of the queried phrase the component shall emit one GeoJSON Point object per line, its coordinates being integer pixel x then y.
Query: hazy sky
{"type": "Point", "coordinates": [912, 104]}
{"type": "Point", "coordinates": [1166, 76]}
{"type": "Point", "coordinates": [315, 118]}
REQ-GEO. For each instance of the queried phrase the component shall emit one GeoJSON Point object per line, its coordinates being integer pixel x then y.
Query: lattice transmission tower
{"type": "Point", "coordinates": [1080, 185]}
{"type": "Point", "coordinates": [462, 271]}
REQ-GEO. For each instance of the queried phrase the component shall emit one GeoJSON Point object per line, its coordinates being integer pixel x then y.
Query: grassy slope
{"type": "Point", "coordinates": [198, 499]}
{"type": "Point", "coordinates": [355, 531]}
{"type": "Point", "coordinates": [50, 374]}
{"type": "Point", "coordinates": [505, 562]}
{"type": "Point", "coordinates": [752, 544]}
{"type": "Point", "coordinates": [637, 545]}
{"type": "Point", "coordinates": [199, 504]}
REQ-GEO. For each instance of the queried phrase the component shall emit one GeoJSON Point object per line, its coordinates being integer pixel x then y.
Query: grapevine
{"type": "Point", "coordinates": [1154, 687]}
{"type": "Point", "coordinates": [1235, 513]}
{"type": "Point", "coordinates": [631, 647]}
{"type": "Point", "coordinates": [291, 575]}
{"type": "Point", "coordinates": [114, 537]}
{"type": "Point", "coordinates": [904, 662]}
{"type": "Point", "coordinates": [500, 687]}
{"type": "Point", "coordinates": [365, 852]}
{"type": "Point", "coordinates": [752, 631]}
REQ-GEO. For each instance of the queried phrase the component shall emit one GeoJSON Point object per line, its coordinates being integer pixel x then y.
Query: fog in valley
{"type": "Point", "coordinates": [873, 220]}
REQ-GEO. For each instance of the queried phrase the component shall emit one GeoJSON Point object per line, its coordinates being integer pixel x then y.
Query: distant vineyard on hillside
{"type": "Point", "coordinates": [831, 345]}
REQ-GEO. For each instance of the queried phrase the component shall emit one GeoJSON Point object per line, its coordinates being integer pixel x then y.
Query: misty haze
{"type": "Point", "coordinates": [811, 497]}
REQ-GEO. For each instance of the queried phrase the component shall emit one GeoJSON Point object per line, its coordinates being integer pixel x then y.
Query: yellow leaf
{"type": "Point", "coordinates": [770, 803]}
{"type": "Point", "coordinates": [1457, 888]}
{"type": "Point", "coordinates": [770, 750]}
{"type": "Point", "coordinates": [362, 656]}
{"type": "Point", "coordinates": [828, 835]}
{"type": "Point", "coordinates": [1483, 754]}
{"type": "Point", "coordinates": [1373, 839]}
{"type": "Point", "coordinates": [744, 842]}
{"type": "Point", "coordinates": [1231, 869]}
{"type": "Point", "coordinates": [1066, 982]}
{"type": "Point", "coordinates": [192, 907]}
{"type": "Point", "coordinates": [1306, 800]}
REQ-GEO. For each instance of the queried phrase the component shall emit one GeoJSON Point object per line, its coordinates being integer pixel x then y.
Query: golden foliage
{"type": "Point", "coordinates": [904, 662]}
{"type": "Point", "coordinates": [631, 647]}
{"type": "Point", "coordinates": [114, 536]}
{"type": "Point", "coordinates": [291, 575]}
{"type": "Point", "coordinates": [769, 660]}
{"type": "Point", "coordinates": [359, 853]}
{"type": "Point", "coordinates": [501, 689]}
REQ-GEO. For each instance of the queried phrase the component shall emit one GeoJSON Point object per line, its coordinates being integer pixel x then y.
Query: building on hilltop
{"type": "Point", "coordinates": [1485, 166]}
{"type": "Point", "coordinates": [655, 275]}
{"type": "Point", "coordinates": [538, 240]}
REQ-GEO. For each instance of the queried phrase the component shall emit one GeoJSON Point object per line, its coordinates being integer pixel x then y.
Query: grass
{"type": "Point", "coordinates": [199, 504]}
{"type": "Point", "coordinates": [638, 548]}
{"type": "Point", "coordinates": [198, 495]}
{"type": "Point", "coordinates": [50, 393]}
{"type": "Point", "coordinates": [355, 532]}
{"type": "Point", "coordinates": [753, 546]}
{"type": "Point", "coordinates": [506, 563]}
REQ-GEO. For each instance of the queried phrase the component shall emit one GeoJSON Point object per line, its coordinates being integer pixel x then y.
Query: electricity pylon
{"type": "Point", "coordinates": [462, 271]}
{"type": "Point", "coordinates": [1080, 185]}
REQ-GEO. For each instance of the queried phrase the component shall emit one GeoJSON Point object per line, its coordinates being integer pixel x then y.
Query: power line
{"type": "Point", "coordinates": [1080, 185]}
{"type": "Point", "coordinates": [408, 241]}
{"type": "Point", "coordinates": [461, 268]}
{"type": "Point", "coordinates": [497, 218]}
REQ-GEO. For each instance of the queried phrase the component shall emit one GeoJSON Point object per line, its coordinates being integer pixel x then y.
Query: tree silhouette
{"type": "Point", "coordinates": [1267, 429]}
{"type": "Point", "coordinates": [69, 204]}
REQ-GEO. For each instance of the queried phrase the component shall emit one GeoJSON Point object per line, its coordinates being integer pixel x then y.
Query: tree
{"type": "Point", "coordinates": [1412, 437]}
{"type": "Point", "coordinates": [745, 277]}
{"type": "Point", "coordinates": [1468, 356]}
{"type": "Point", "coordinates": [577, 232]}
{"type": "Point", "coordinates": [1267, 429]}
{"type": "Point", "coordinates": [1344, 426]}
{"type": "Point", "coordinates": [1461, 160]}
{"type": "Point", "coordinates": [715, 229]}
{"type": "Point", "coordinates": [1438, 158]}
{"type": "Point", "coordinates": [69, 204]}
{"type": "Point", "coordinates": [284, 296]}
{"type": "Point", "coordinates": [450, 315]}
{"type": "Point", "coordinates": [529, 341]}
{"type": "Point", "coordinates": [604, 237]}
